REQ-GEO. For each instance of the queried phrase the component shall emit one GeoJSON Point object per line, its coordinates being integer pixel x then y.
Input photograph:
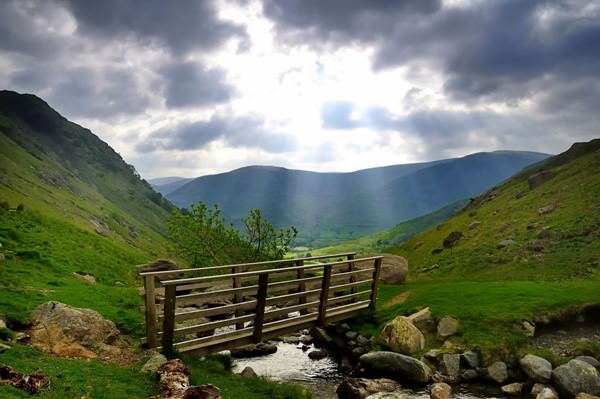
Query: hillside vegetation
{"type": "Point", "coordinates": [329, 208]}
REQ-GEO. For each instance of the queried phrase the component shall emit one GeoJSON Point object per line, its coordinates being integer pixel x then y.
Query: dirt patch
{"type": "Point", "coordinates": [397, 300]}
{"type": "Point", "coordinates": [562, 340]}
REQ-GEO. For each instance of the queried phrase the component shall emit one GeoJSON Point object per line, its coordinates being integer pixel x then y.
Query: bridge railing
{"type": "Point", "coordinates": [254, 301]}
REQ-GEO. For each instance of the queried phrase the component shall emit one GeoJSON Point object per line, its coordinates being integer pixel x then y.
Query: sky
{"type": "Point", "coordinates": [189, 88]}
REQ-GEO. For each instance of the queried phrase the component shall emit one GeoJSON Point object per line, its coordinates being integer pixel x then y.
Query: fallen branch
{"type": "Point", "coordinates": [31, 383]}
{"type": "Point", "coordinates": [175, 384]}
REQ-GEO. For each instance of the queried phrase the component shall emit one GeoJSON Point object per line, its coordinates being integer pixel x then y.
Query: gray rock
{"type": "Point", "coordinates": [423, 320]}
{"type": "Point", "coordinates": [154, 363]}
{"type": "Point", "coordinates": [321, 335]}
{"type": "Point", "coordinates": [583, 395]}
{"type": "Point", "coordinates": [351, 335]}
{"type": "Point", "coordinates": [469, 375]}
{"type": "Point", "coordinates": [346, 365]}
{"type": "Point", "coordinates": [394, 269]}
{"type": "Point", "coordinates": [537, 388]}
{"type": "Point", "coordinates": [317, 354]}
{"type": "Point", "coordinates": [470, 359]}
{"type": "Point", "coordinates": [537, 368]}
{"type": "Point", "coordinates": [474, 224]}
{"type": "Point", "coordinates": [291, 339]}
{"type": "Point", "coordinates": [447, 327]}
{"type": "Point", "coordinates": [450, 364]}
{"type": "Point", "coordinates": [248, 372]}
{"type": "Point", "coordinates": [306, 339]}
{"type": "Point", "coordinates": [547, 393]}
{"type": "Point", "coordinates": [440, 390]}
{"type": "Point", "coordinates": [400, 335]}
{"type": "Point", "coordinates": [539, 178]}
{"type": "Point", "coordinates": [505, 243]}
{"type": "Point", "coordinates": [360, 388]}
{"type": "Point", "coordinates": [452, 239]}
{"type": "Point", "coordinates": [546, 209]}
{"type": "Point", "coordinates": [396, 365]}
{"type": "Point", "coordinates": [253, 350]}
{"type": "Point", "coordinates": [528, 328]}
{"type": "Point", "coordinates": [497, 372]}
{"type": "Point", "coordinates": [574, 377]}
{"type": "Point", "coordinates": [514, 389]}
{"type": "Point", "coordinates": [358, 352]}
{"type": "Point", "coordinates": [589, 360]}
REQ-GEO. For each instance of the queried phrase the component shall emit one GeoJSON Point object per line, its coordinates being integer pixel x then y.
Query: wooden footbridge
{"type": "Point", "coordinates": [209, 309]}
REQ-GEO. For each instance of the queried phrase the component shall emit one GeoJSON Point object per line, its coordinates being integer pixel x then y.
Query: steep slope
{"type": "Point", "coordinates": [70, 204]}
{"type": "Point", "coordinates": [166, 185]}
{"type": "Point", "coordinates": [334, 207]}
{"type": "Point", "coordinates": [543, 224]}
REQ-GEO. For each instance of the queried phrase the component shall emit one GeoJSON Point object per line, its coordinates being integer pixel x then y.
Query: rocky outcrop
{"type": "Point", "coordinates": [537, 179]}
{"type": "Point", "coordinates": [574, 377]}
{"type": "Point", "coordinates": [400, 335]}
{"type": "Point", "coordinates": [537, 368]}
{"type": "Point", "coordinates": [73, 332]}
{"type": "Point", "coordinates": [447, 327]}
{"type": "Point", "coordinates": [396, 365]}
{"type": "Point", "coordinates": [359, 388]}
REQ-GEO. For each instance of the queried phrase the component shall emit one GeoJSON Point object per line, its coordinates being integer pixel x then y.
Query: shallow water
{"type": "Point", "coordinates": [291, 364]}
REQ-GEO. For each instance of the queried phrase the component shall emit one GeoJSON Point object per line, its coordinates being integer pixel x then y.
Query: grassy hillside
{"type": "Point", "coordinates": [548, 232]}
{"type": "Point", "coordinates": [329, 208]}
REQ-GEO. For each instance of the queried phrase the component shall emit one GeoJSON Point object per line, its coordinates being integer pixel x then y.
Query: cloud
{"type": "Point", "coordinates": [190, 84]}
{"type": "Point", "coordinates": [337, 115]}
{"type": "Point", "coordinates": [181, 26]}
{"type": "Point", "coordinates": [237, 132]}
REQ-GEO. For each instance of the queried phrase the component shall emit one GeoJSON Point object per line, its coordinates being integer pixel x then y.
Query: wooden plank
{"type": "Point", "coordinates": [188, 287]}
{"type": "Point", "coordinates": [150, 311]}
{"type": "Point", "coordinates": [282, 324]}
{"type": "Point", "coordinates": [210, 326]}
{"type": "Point", "coordinates": [341, 287]}
{"type": "Point", "coordinates": [219, 310]}
{"type": "Point", "coordinates": [343, 298]}
{"type": "Point", "coordinates": [284, 298]}
{"type": "Point", "coordinates": [213, 340]}
{"type": "Point", "coordinates": [289, 309]}
{"type": "Point", "coordinates": [236, 282]}
{"type": "Point", "coordinates": [270, 271]}
{"type": "Point", "coordinates": [300, 279]}
{"type": "Point", "coordinates": [324, 295]}
{"type": "Point", "coordinates": [351, 268]}
{"type": "Point", "coordinates": [169, 320]}
{"type": "Point", "coordinates": [242, 265]}
{"type": "Point", "coordinates": [217, 293]}
{"type": "Point", "coordinates": [375, 283]}
{"type": "Point", "coordinates": [261, 301]}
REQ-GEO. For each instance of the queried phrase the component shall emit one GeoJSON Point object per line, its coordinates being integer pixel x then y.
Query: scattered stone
{"type": "Point", "coordinates": [321, 335]}
{"type": "Point", "coordinates": [73, 332]}
{"type": "Point", "coordinates": [545, 233]}
{"type": "Point", "coordinates": [436, 251]}
{"type": "Point", "coordinates": [450, 365]}
{"type": "Point", "coordinates": [400, 335]}
{"type": "Point", "coordinates": [360, 388]}
{"type": "Point", "coordinates": [154, 363]}
{"type": "Point", "coordinates": [440, 390]}
{"type": "Point", "coordinates": [101, 231]}
{"type": "Point", "coordinates": [317, 354]}
{"type": "Point", "coordinates": [423, 320]}
{"type": "Point", "coordinates": [452, 239]}
{"type": "Point", "coordinates": [528, 328]}
{"type": "Point", "coordinates": [358, 352]}
{"type": "Point", "coordinates": [589, 360]}
{"type": "Point", "coordinates": [351, 335]}
{"type": "Point", "coordinates": [174, 383]}
{"type": "Point", "coordinates": [32, 384]}
{"type": "Point", "coordinates": [576, 376]}
{"type": "Point", "coordinates": [497, 372]}
{"type": "Point", "coordinates": [418, 244]}
{"type": "Point", "coordinates": [537, 368]}
{"type": "Point", "coordinates": [537, 388]}
{"type": "Point", "coordinates": [396, 365]}
{"type": "Point", "coordinates": [470, 359]}
{"type": "Point", "coordinates": [474, 224]}
{"type": "Point", "coordinates": [433, 354]}
{"type": "Point", "coordinates": [469, 375]}
{"type": "Point", "coordinates": [447, 327]}
{"type": "Point", "coordinates": [253, 350]}
{"type": "Point", "coordinates": [306, 339]}
{"type": "Point", "coordinates": [531, 226]}
{"type": "Point", "coordinates": [546, 209]}
{"type": "Point", "coordinates": [346, 365]}
{"type": "Point", "coordinates": [514, 389]}
{"type": "Point", "coordinates": [86, 277]}
{"type": "Point", "coordinates": [547, 393]}
{"type": "Point", "coordinates": [537, 179]}
{"type": "Point", "coordinates": [248, 372]}
{"type": "Point", "coordinates": [505, 243]}
{"type": "Point", "coordinates": [291, 339]}
{"type": "Point", "coordinates": [583, 395]}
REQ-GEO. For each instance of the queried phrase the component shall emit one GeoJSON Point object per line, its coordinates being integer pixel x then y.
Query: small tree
{"type": "Point", "coordinates": [263, 240]}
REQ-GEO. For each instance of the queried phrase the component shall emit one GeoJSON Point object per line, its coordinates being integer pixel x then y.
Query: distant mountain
{"type": "Point", "coordinates": [166, 185]}
{"type": "Point", "coordinates": [542, 224]}
{"type": "Point", "coordinates": [335, 207]}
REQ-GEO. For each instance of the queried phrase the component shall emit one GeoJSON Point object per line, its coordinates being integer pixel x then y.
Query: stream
{"type": "Point", "coordinates": [291, 364]}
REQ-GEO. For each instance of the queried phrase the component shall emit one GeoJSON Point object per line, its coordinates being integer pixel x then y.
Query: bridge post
{"type": "Point", "coordinates": [237, 298]}
{"type": "Point", "coordinates": [301, 286]}
{"type": "Point", "coordinates": [261, 302]}
{"type": "Point", "coordinates": [351, 268]}
{"type": "Point", "coordinates": [324, 296]}
{"type": "Point", "coordinates": [375, 284]}
{"type": "Point", "coordinates": [150, 311]}
{"type": "Point", "coordinates": [169, 321]}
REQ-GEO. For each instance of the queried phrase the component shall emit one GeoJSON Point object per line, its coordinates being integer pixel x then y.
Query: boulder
{"type": "Point", "coordinates": [547, 393]}
{"type": "Point", "coordinates": [359, 388]}
{"type": "Point", "coordinates": [394, 269]}
{"type": "Point", "coordinates": [590, 360]}
{"type": "Point", "coordinates": [73, 332]}
{"type": "Point", "coordinates": [546, 209]}
{"type": "Point", "coordinates": [514, 389]}
{"type": "Point", "coordinates": [583, 395]}
{"type": "Point", "coordinates": [469, 375]}
{"type": "Point", "coordinates": [154, 363]}
{"type": "Point", "coordinates": [450, 365]}
{"type": "Point", "coordinates": [396, 365]}
{"type": "Point", "coordinates": [447, 327]}
{"type": "Point", "coordinates": [537, 179]}
{"type": "Point", "coordinates": [537, 368]}
{"type": "Point", "coordinates": [248, 372]}
{"type": "Point", "coordinates": [505, 243]}
{"type": "Point", "coordinates": [423, 320]}
{"type": "Point", "coordinates": [440, 390]}
{"type": "Point", "coordinates": [317, 354]}
{"type": "Point", "coordinates": [321, 335]}
{"type": "Point", "coordinates": [574, 377]}
{"type": "Point", "coordinates": [497, 372]}
{"type": "Point", "coordinates": [470, 359]}
{"type": "Point", "coordinates": [474, 224]}
{"type": "Point", "coordinates": [452, 239]}
{"type": "Point", "coordinates": [528, 327]}
{"type": "Point", "coordinates": [536, 389]}
{"type": "Point", "coordinates": [253, 350]}
{"type": "Point", "coordinates": [400, 335]}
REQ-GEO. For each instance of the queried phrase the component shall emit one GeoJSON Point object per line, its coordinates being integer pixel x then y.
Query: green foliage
{"type": "Point", "coordinates": [6, 334]}
{"type": "Point", "coordinates": [200, 236]}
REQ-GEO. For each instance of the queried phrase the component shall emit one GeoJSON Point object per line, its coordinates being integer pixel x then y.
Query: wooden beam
{"type": "Point", "coordinates": [261, 301]}
{"type": "Point", "coordinates": [150, 312]}
{"type": "Point", "coordinates": [375, 284]}
{"type": "Point", "coordinates": [169, 321]}
{"type": "Point", "coordinates": [324, 295]}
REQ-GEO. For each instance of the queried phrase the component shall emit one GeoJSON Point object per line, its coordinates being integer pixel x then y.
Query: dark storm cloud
{"type": "Point", "coordinates": [189, 84]}
{"type": "Point", "coordinates": [180, 25]}
{"type": "Point", "coordinates": [502, 51]}
{"type": "Point", "coordinates": [238, 132]}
